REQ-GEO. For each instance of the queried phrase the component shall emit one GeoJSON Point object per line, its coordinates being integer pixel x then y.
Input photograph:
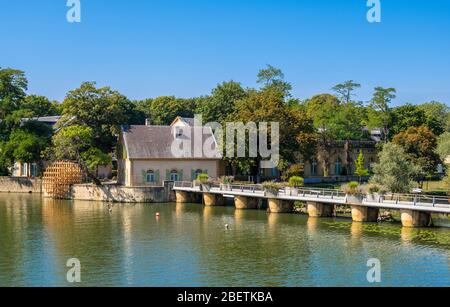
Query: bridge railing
{"type": "Point", "coordinates": [183, 184]}
{"type": "Point", "coordinates": [416, 199]}
{"type": "Point", "coordinates": [313, 193]}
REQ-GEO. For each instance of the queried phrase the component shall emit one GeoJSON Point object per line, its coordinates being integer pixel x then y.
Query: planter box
{"type": "Point", "coordinates": [291, 191]}
{"type": "Point", "coordinates": [356, 199]}
{"type": "Point", "coordinates": [375, 197]}
{"type": "Point", "coordinates": [271, 192]}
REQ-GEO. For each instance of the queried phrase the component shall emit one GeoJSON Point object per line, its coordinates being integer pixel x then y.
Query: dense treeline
{"type": "Point", "coordinates": [91, 117]}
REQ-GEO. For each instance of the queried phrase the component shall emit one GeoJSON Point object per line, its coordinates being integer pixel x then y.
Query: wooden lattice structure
{"type": "Point", "coordinates": [59, 177]}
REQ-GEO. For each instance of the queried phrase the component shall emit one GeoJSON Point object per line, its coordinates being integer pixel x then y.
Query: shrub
{"type": "Point", "coordinates": [226, 179]}
{"type": "Point", "coordinates": [272, 185]}
{"type": "Point", "coordinates": [352, 188]}
{"type": "Point", "coordinates": [203, 178]}
{"type": "Point", "coordinates": [373, 188]}
{"type": "Point", "coordinates": [295, 170]}
{"type": "Point", "coordinates": [296, 181]}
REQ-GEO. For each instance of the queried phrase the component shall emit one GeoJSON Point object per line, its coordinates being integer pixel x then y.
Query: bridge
{"type": "Point", "coordinates": [416, 209]}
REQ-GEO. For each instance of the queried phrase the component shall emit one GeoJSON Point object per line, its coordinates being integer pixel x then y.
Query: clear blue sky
{"type": "Point", "coordinates": [147, 48]}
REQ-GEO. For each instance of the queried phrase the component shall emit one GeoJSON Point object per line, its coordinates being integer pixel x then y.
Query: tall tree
{"type": "Point", "coordinates": [165, 109]}
{"type": "Point", "coordinates": [101, 109]}
{"type": "Point", "coordinates": [404, 117]}
{"type": "Point", "coordinates": [345, 90]}
{"type": "Point", "coordinates": [436, 115]}
{"type": "Point", "coordinates": [222, 102]}
{"type": "Point", "coordinates": [268, 105]}
{"type": "Point", "coordinates": [271, 77]}
{"type": "Point", "coordinates": [361, 169]}
{"type": "Point", "coordinates": [394, 170]}
{"type": "Point", "coordinates": [443, 147]}
{"type": "Point", "coordinates": [379, 109]}
{"type": "Point", "coordinates": [419, 143]}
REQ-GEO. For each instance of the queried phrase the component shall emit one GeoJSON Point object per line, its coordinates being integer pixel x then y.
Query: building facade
{"type": "Point", "coordinates": [146, 156]}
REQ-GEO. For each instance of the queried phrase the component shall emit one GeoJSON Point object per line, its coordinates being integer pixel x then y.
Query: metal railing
{"type": "Point", "coordinates": [324, 194]}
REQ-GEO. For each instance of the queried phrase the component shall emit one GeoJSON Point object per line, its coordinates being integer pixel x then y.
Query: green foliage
{"type": "Point", "coordinates": [166, 108]}
{"type": "Point", "coordinates": [352, 188]}
{"type": "Point", "coordinates": [443, 147]}
{"type": "Point", "coordinates": [360, 166]}
{"type": "Point", "coordinates": [101, 109]}
{"type": "Point", "coordinates": [273, 78]}
{"type": "Point", "coordinates": [219, 106]}
{"type": "Point", "coordinates": [379, 110]}
{"type": "Point", "coordinates": [272, 186]}
{"type": "Point", "coordinates": [394, 170]}
{"type": "Point", "coordinates": [404, 117]}
{"type": "Point", "coordinates": [345, 90]}
{"type": "Point", "coordinates": [420, 146]}
{"type": "Point", "coordinates": [70, 142]}
{"type": "Point", "coordinates": [203, 178]}
{"type": "Point", "coordinates": [23, 146]}
{"type": "Point", "coordinates": [436, 115]}
{"type": "Point", "coordinates": [295, 170]}
{"type": "Point", "coordinates": [94, 158]}
{"type": "Point", "coordinates": [226, 179]}
{"type": "Point", "coordinates": [296, 182]}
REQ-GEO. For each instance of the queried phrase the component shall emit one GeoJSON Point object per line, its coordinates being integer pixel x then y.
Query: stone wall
{"type": "Point", "coordinates": [121, 194]}
{"type": "Point", "coordinates": [20, 185]}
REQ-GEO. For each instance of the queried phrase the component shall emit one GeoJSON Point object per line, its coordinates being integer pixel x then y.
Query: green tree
{"type": "Point", "coordinates": [77, 143]}
{"type": "Point", "coordinates": [379, 109]}
{"type": "Point", "coordinates": [165, 109]}
{"type": "Point", "coordinates": [222, 102]}
{"type": "Point", "coordinates": [404, 117]}
{"type": "Point", "coordinates": [394, 170]}
{"type": "Point", "coordinates": [443, 147]}
{"type": "Point", "coordinates": [272, 77]}
{"type": "Point", "coordinates": [101, 109]}
{"type": "Point", "coordinates": [40, 106]}
{"type": "Point", "coordinates": [268, 105]}
{"type": "Point", "coordinates": [345, 90]}
{"type": "Point", "coordinates": [436, 115]}
{"type": "Point", "coordinates": [419, 143]}
{"type": "Point", "coordinates": [361, 170]}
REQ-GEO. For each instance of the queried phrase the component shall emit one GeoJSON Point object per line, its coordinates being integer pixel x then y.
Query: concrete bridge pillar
{"type": "Point", "coordinates": [413, 218]}
{"type": "Point", "coordinates": [280, 206]}
{"type": "Point", "coordinates": [210, 199]}
{"type": "Point", "coordinates": [182, 197]}
{"type": "Point", "coordinates": [320, 209]}
{"type": "Point", "coordinates": [365, 214]}
{"type": "Point", "coordinates": [243, 202]}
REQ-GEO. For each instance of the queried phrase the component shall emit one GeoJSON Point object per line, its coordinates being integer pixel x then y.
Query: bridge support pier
{"type": "Point", "coordinates": [182, 197]}
{"type": "Point", "coordinates": [244, 203]}
{"type": "Point", "coordinates": [210, 199]}
{"type": "Point", "coordinates": [320, 209]}
{"type": "Point", "coordinates": [413, 218]}
{"type": "Point", "coordinates": [365, 214]}
{"type": "Point", "coordinates": [280, 206]}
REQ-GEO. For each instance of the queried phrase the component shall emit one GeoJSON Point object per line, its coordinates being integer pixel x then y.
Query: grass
{"type": "Point", "coordinates": [436, 186]}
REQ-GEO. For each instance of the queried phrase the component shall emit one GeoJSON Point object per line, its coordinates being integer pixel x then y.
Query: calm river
{"type": "Point", "coordinates": [189, 246]}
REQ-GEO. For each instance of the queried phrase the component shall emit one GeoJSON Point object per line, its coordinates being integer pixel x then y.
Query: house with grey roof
{"type": "Point", "coordinates": [148, 155]}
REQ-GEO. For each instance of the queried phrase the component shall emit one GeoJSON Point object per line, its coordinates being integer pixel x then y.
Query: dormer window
{"type": "Point", "coordinates": [178, 133]}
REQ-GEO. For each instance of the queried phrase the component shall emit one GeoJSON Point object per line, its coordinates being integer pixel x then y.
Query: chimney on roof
{"type": "Point", "coordinates": [148, 122]}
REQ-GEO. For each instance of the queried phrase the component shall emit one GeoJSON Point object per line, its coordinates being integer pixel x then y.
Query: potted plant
{"type": "Point", "coordinates": [272, 188]}
{"type": "Point", "coordinates": [354, 192]}
{"type": "Point", "coordinates": [226, 182]}
{"type": "Point", "coordinates": [375, 193]}
{"type": "Point", "coordinates": [294, 183]}
{"type": "Point", "coordinates": [205, 184]}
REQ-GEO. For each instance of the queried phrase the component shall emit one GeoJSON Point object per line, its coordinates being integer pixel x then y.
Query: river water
{"type": "Point", "coordinates": [189, 245]}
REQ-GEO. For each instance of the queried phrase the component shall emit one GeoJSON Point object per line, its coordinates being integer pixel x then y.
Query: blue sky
{"type": "Point", "coordinates": [147, 48]}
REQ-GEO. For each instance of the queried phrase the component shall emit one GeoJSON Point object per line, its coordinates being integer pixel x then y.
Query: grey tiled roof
{"type": "Point", "coordinates": [155, 142]}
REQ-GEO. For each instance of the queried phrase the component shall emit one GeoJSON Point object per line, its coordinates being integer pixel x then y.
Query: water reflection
{"type": "Point", "coordinates": [188, 245]}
